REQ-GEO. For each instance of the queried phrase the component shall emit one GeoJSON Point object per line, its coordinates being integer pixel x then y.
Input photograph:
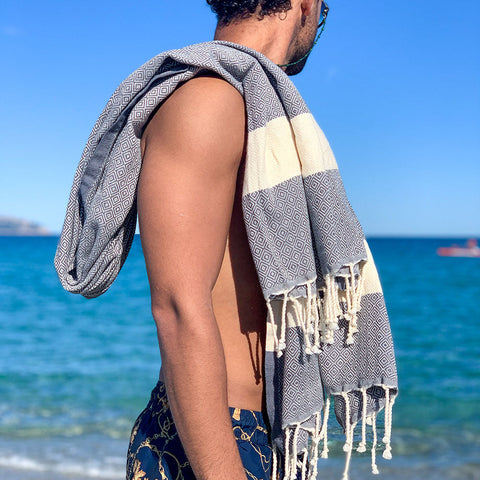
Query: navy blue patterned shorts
{"type": "Point", "coordinates": [155, 451]}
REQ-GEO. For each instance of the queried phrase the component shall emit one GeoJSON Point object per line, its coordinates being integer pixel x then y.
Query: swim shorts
{"type": "Point", "coordinates": [156, 453]}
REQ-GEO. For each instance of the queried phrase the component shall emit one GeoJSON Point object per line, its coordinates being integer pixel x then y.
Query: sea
{"type": "Point", "coordinates": [75, 373]}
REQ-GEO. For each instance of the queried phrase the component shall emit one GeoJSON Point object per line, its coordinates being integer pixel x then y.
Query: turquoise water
{"type": "Point", "coordinates": [75, 373]}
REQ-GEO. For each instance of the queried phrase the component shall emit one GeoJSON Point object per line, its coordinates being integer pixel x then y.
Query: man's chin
{"type": "Point", "coordinates": [292, 70]}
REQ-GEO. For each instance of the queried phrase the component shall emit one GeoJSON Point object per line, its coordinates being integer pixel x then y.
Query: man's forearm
{"type": "Point", "coordinates": [193, 365]}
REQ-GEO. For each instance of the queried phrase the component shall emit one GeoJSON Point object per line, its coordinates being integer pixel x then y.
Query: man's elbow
{"type": "Point", "coordinates": [181, 314]}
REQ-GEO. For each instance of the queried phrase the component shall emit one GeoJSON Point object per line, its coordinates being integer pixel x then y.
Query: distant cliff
{"type": "Point", "coordinates": [15, 227]}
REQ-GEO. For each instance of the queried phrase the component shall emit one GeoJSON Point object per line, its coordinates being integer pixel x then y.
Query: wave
{"type": "Point", "coordinates": [92, 456]}
{"type": "Point", "coordinates": [91, 470]}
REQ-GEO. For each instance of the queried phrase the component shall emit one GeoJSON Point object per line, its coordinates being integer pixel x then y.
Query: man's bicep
{"type": "Point", "coordinates": [186, 189]}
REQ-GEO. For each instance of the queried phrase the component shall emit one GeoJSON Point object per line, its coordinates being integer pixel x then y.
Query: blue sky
{"type": "Point", "coordinates": [394, 85]}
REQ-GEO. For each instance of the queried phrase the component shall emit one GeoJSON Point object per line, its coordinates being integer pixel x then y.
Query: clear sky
{"type": "Point", "coordinates": [394, 85]}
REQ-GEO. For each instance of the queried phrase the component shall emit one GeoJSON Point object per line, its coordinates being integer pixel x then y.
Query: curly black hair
{"type": "Point", "coordinates": [228, 10]}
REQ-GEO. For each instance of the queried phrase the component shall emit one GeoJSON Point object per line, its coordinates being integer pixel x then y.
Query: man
{"type": "Point", "coordinates": [206, 300]}
{"type": "Point", "coordinates": [263, 288]}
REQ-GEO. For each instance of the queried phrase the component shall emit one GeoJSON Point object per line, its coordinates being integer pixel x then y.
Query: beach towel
{"type": "Point", "coordinates": [328, 334]}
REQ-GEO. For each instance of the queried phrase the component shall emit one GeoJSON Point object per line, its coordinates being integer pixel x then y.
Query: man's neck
{"type": "Point", "coordinates": [270, 36]}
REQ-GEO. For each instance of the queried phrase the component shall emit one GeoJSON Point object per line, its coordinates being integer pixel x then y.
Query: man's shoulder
{"type": "Point", "coordinates": [208, 88]}
{"type": "Point", "coordinates": [206, 111]}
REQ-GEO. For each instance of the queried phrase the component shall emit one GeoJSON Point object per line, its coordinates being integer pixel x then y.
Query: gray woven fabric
{"type": "Point", "coordinates": [327, 332]}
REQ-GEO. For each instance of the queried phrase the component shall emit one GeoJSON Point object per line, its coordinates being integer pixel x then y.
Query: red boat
{"type": "Point", "coordinates": [470, 250]}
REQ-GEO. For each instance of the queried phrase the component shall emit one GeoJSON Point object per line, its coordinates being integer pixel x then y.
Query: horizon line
{"type": "Point", "coordinates": [438, 236]}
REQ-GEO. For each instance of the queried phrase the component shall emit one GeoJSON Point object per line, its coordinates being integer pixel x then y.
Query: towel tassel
{"type": "Point", "coordinates": [308, 320]}
{"type": "Point", "coordinates": [301, 322]}
{"type": "Point", "coordinates": [331, 308]}
{"type": "Point", "coordinates": [362, 446]}
{"type": "Point", "coordinates": [324, 432]}
{"type": "Point", "coordinates": [271, 319]}
{"type": "Point", "coordinates": [350, 315]}
{"type": "Point", "coordinates": [374, 444]}
{"type": "Point", "coordinates": [387, 453]}
{"type": "Point", "coordinates": [274, 463]}
{"type": "Point", "coordinates": [304, 464]}
{"type": "Point", "coordinates": [312, 469]}
{"type": "Point", "coordinates": [311, 322]}
{"type": "Point", "coordinates": [283, 329]}
{"type": "Point", "coordinates": [348, 436]}
{"type": "Point", "coordinates": [316, 326]}
{"type": "Point", "coordinates": [287, 453]}
{"type": "Point", "coordinates": [294, 456]}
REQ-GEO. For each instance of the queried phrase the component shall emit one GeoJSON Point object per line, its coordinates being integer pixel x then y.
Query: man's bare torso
{"type": "Point", "coordinates": [241, 312]}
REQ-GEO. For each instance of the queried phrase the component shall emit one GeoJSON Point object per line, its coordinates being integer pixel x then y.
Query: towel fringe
{"type": "Point", "coordinates": [307, 466]}
{"type": "Point", "coordinates": [318, 318]}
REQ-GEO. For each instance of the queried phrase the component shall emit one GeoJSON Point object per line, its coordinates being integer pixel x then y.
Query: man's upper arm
{"type": "Point", "coordinates": [192, 149]}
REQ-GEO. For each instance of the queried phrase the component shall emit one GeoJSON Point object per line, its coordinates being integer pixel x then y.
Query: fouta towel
{"type": "Point", "coordinates": [328, 334]}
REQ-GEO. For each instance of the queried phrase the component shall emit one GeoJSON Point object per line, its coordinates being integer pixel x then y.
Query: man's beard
{"type": "Point", "coordinates": [297, 67]}
{"type": "Point", "coordinates": [302, 49]}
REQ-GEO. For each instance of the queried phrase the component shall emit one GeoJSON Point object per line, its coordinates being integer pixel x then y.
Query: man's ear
{"type": "Point", "coordinates": [308, 6]}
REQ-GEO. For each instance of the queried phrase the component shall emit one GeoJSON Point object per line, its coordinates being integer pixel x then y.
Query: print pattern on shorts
{"type": "Point", "coordinates": [156, 453]}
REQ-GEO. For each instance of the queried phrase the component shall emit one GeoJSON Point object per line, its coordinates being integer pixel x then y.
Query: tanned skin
{"type": "Point", "coordinates": [206, 299]}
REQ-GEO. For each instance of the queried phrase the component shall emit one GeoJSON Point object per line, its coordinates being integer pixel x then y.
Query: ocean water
{"type": "Point", "coordinates": [75, 373]}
